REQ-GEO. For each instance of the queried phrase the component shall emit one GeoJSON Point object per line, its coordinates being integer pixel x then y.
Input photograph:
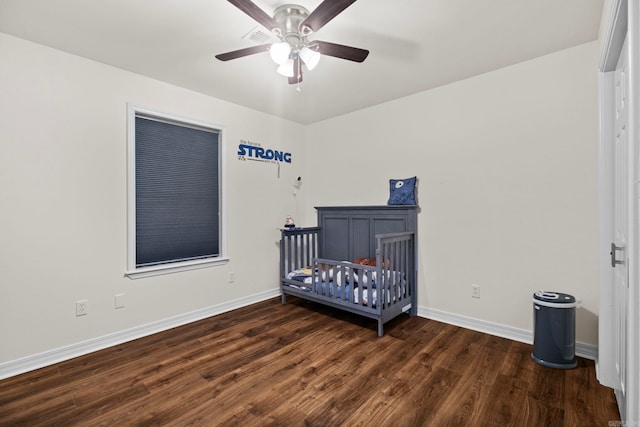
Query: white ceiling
{"type": "Point", "coordinates": [414, 45]}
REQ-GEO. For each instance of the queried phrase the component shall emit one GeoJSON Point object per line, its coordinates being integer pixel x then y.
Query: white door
{"type": "Point", "coordinates": [619, 258]}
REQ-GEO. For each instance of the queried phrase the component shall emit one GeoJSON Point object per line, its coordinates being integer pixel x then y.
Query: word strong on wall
{"type": "Point", "coordinates": [248, 150]}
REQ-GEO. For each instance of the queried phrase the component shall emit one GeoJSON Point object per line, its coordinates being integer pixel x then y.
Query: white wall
{"type": "Point", "coordinates": [64, 203]}
{"type": "Point", "coordinates": [506, 162]}
{"type": "Point", "coordinates": [507, 165]}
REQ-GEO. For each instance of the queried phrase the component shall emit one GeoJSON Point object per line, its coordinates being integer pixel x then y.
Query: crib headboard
{"type": "Point", "coordinates": [348, 232]}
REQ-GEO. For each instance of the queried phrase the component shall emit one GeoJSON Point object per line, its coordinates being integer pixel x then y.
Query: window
{"type": "Point", "coordinates": [175, 188]}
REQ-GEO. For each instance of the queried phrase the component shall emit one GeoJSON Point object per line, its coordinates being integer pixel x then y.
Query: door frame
{"type": "Point", "coordinates": [624, 20]}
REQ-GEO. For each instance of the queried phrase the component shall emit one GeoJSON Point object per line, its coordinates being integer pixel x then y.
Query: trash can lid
{"type": "Point", "coordinates": [554, 297]}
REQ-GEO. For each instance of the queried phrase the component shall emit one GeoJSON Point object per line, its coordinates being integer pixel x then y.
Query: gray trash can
{"type": "Point", "coordinates": [554, 330]}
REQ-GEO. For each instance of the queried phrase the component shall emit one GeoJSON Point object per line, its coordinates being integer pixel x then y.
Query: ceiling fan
{"type": "Point", "coordinates": [292, 24]}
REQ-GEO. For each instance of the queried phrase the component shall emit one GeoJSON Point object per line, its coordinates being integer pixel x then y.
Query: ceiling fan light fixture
{"type": "Point", "coordinates": [286, 69]}
{"type": "Point", "coordinates": [309, 57]}
{"type": "Point", "coordinates": [280, 52]}
{"type": "Point", "coordinates": [292, 24]}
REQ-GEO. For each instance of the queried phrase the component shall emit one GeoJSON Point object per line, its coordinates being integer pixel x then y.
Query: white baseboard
{"type": "Point", "coordinates": [30, 363]}
{"type": "Point", "coordinates": [588, 351]}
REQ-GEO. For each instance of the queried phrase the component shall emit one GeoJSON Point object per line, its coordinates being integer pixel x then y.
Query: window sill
{"type": "Point", "coordinates": [158, 270]}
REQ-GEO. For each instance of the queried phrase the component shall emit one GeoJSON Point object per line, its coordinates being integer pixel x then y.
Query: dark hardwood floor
{"type": "Point", "coordinates": [304, 364]}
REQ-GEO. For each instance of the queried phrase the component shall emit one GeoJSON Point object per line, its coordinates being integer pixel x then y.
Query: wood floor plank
{"type": "Point", "coordinates": [40, 411]}
{"type": "Point", "coordinates": [104, 360]}
{"type": "Point", "coordinates": [466, 403]}
{"type": "Point", "coordinates": [318, 374]}
{"type": "Point", "coordinates": [109, 404]}
{"type": "Point", "coordinates": [583, 397]}
{"type": "Point", "coordinates": [420, 405]}
{"type": "Point", "coordinates": [184, 390]}
{"type": "Point", "coordinates": [500, 409]}
{"type": "Point", "coordinates": [549, 386]}
{"type": "Point", "coordinates": [27, 385]}
{"type": "Point", "coordinates": [535, 413]}
{"type": "Point", "coordinates": [352, 391]}
{"type": "Point", "coordinates": [433, 350]}
{"type": "Point", "coordinates": [382, 397]}
{"type": "Point", "coordinates": [303, 364]}
{"type": "Point", "coordinates": [237, 386]}
{"type": "Point", "coordinates": [466, 344]}
{"type": "Point", "coordinates": [517, 362]}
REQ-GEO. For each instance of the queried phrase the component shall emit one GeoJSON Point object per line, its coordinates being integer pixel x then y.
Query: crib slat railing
{"type": "Point", "coordinates": [341, 280]}
{"type": "Point", "coordinates": [298, 248]}
{"type": "Point", "coordinates": [394, 275]}
{"type": "Point", "coordinates": [395, 267]}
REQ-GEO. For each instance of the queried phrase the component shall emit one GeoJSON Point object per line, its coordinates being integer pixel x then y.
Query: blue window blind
{"type": "Point", "coordinates": [177, 192]}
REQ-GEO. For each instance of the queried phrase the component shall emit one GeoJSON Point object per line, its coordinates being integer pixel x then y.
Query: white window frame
{"type": "Point", "coordinates": [132, 271]}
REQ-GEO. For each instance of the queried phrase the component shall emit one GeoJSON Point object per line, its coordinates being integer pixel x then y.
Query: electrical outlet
{"type": "Point", "coordinates": [81, 307]}
{"type": "Point", "coordinates": [232, 277]}
{"type": "Point", "coordinates": [475, 291]}
{"type": "Point", "coordinates": [119, 301]}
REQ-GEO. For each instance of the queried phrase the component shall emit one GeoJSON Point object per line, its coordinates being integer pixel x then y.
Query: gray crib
{"type": "Point", "coordinates": [317, 263]}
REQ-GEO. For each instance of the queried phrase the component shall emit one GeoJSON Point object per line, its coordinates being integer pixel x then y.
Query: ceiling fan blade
{"type": "Point", "coordinates": [340, 51]}
{"type": "Point", "coordinates": [325, 12]}
{"type": "Point", "coordinates": [297, 72]}
{"type": "Point", "coordinates": [243, 52]}
{"type": "Point", "coordinates": [259, 15]}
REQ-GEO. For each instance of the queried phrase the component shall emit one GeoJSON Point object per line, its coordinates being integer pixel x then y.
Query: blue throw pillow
{"type": "Point", "coordinates": [402, 191]}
